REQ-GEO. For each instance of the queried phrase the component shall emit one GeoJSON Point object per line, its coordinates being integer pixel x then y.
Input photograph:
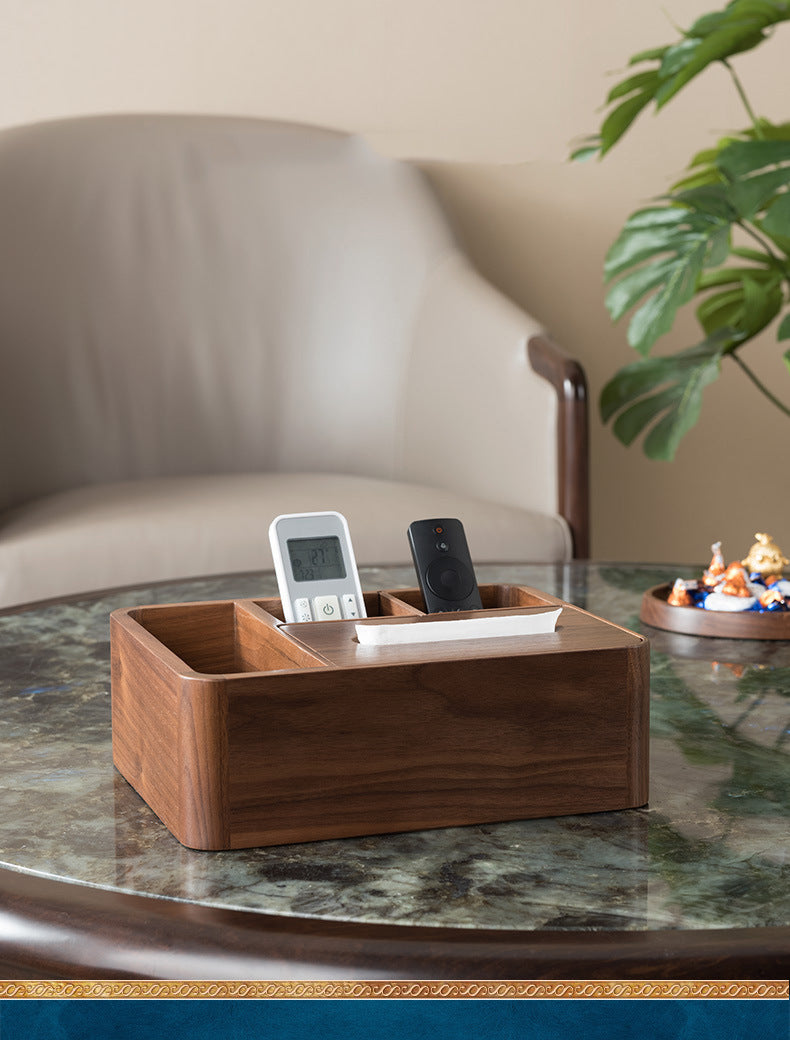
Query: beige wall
{"type": "Point", "coordinates": [486, 95]}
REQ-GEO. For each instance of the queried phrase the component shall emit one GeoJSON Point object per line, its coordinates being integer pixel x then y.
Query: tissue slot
{"type": "Point", "coordinates": [465, 628]}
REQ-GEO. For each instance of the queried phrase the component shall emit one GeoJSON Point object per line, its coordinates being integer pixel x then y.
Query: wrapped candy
{"type": "Point", "coordinates": [772, 600]}
{"type": "Point", "coordinates": [680, 595]}
{"type": "Point", "coordinates": [735, 582]}
{"type": "Point", "coordinates": [716, 567]}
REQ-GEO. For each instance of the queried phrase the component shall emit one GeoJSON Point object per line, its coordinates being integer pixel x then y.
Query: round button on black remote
{"type": "Point", "coordinates": [449, 578]}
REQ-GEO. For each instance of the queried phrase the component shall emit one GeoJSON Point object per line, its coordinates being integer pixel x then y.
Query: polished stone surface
{"type": "Point", "coordinates": [710, 851]}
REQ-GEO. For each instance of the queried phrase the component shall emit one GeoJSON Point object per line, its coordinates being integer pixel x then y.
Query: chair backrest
{"type": "Point", "coordinates": [190, 294]}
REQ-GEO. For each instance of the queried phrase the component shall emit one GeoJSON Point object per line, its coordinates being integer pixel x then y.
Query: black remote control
{"type": "Point", "coordinates": [444, 566]}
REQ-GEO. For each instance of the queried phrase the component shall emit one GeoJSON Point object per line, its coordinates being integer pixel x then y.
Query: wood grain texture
{"type": "Point", "coordinates": [169, 735]}
{"type": "Point", "coordinates": [573, 465]}
{"type": "Point", "coordinates": [694, 621]}
{"type": "Point", "coordinates": [310, 736]}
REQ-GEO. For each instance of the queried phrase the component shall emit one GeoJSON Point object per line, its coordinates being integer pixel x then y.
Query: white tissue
{"type": "Point", "coordinates": [464, 628]}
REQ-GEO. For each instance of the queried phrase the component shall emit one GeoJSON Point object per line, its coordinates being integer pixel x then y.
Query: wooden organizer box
{"type": "Point", "coordinates": [240, 730]}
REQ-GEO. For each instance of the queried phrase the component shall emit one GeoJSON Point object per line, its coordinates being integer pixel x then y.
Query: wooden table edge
{"type": "Point", "coordinates": [54, 929]}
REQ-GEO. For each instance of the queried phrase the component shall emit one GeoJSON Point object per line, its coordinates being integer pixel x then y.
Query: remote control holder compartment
{"type": "Point", "coordinates": [239, 730]}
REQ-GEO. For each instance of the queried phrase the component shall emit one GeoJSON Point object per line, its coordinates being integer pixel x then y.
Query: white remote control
{"type": "Point", "coordinates": [315, 567]}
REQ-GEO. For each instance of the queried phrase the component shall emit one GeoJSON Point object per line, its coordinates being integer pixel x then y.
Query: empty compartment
{"type": "Point", "coordinates": [505, 597]}
{"type": "Point", "coordinates": [393, 604]}
{"type": "Point", "coordinates": [493, 597]}
{"type": "Point", "coordinates": [224, 638]}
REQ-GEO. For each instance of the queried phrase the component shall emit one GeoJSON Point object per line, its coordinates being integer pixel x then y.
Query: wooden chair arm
{"type": "Point", "coordinates": [573, 463]}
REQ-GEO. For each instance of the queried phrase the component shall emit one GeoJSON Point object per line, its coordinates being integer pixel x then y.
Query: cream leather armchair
{"type": "Point", "coordinates": [206, 321]}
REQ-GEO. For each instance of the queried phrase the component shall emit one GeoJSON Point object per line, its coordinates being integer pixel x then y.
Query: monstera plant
{"type": "Point", "coordinates": [721, 236]}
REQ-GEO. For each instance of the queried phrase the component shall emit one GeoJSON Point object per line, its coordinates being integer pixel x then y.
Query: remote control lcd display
{"type": "Point", "coordinates": [316, 559]}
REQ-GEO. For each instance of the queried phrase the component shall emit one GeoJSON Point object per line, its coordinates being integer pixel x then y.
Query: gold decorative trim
{"type": "Point", "coordinates": [406, 990]}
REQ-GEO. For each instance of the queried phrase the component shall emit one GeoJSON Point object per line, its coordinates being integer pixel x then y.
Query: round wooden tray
{"type": "Point", "coordinates": [694, 621]}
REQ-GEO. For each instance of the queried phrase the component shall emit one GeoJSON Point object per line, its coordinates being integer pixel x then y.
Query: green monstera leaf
{"type": "Point", "coordinates": [663, 395]}
{"type": "Point", "coordinates": [663, 249]}
{"type": "Point", "coordinates": [750, 300]}
{"type": "Point", "coordinates": [720, 237]}
{"type": "Point", "coordinates": [758, 173]}
{"type": "Point", "coordinates": [740, 26]}
{"type": "Point", "coordinates": [665, 392]}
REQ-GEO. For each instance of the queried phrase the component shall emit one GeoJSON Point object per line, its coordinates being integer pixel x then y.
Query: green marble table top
{"type": "Point", "coordinates": [712, 849]}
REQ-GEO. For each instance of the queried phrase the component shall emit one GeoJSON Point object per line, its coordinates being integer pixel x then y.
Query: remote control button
{"type": "Point", "coordinates": [350, 606]}
{"type": "Point", "coordinates": [302, 610]}
{"type": "Point", "coordinates": [449, 578]}
{"type": "Point", "coordinates": [326, 608]}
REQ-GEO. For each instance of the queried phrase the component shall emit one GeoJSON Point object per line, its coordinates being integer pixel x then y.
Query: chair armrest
{"type": "Point", "coordinates": [573, 479]}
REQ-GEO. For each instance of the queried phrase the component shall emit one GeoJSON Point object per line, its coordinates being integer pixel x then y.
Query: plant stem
{"type": "Point", "coordinates": [759, 384]}
{"type": "Point", "coordinates": [758, 130]}
{"type": "Point", "coordinates": [765, 246]}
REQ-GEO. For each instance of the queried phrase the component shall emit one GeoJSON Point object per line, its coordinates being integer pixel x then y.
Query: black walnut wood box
{"type": "Point", "coordinates": [239, 730]}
